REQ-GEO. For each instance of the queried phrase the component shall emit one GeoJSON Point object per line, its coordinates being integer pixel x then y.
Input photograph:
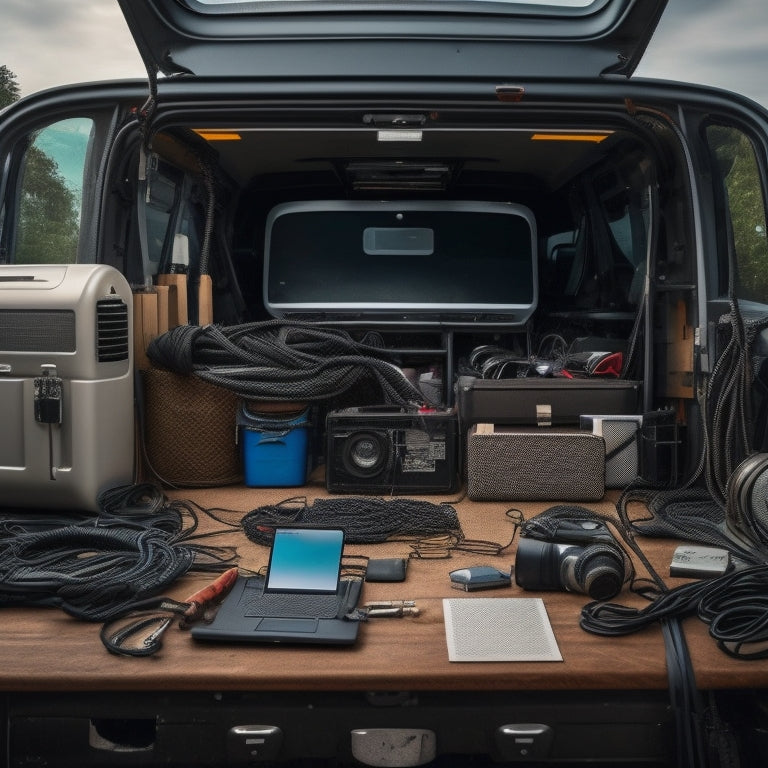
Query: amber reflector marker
{"type": "Point", "coordinates": [593, 137]}
{"type": "Point", "coordinates": [213, 134]}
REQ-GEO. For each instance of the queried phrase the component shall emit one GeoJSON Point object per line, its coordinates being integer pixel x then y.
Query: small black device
{"type": "Point", "coordinates": [479, 577]}
{"type": "Point", "coordinates": [580, 556]}
{"type": "Point", "coordinates": [386, 569]}
{"type": "Point", "coordinates": [386, 449]}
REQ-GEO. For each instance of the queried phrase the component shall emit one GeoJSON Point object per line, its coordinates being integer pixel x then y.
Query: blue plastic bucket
{"type": "Point", "coordinates": [274, 447]}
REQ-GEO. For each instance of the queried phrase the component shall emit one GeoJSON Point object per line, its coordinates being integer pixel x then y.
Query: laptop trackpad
{"type": "Point", "coordinates": [287, 625]}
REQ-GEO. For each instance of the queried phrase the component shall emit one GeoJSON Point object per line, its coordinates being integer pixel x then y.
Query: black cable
{"type": "Point", "coordinates": [734, 606]}
{"type": "Point", "coordinates": [210, 211]}
{"type": "Point", "coordinates": [95, 566]}
{"type": "Point", "coordinates": [685, 698]}
{"type": "Point", "coordinates": [91, 573]}
{"type": "Point", "coordinates": [686, 513]}
{"type": "Point", "coordinates": [279, 360]}
{"type": "Point", "coordinates": [364, 520]}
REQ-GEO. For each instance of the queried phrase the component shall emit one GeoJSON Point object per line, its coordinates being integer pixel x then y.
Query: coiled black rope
{"type": "Point", "coordinates": [94, 567]}
{"type": "Point", "coordinates": [91, 573]}
{"type": "Point", "coordinates": [279, 360]}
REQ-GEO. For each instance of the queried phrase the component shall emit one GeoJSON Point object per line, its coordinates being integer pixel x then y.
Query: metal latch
{"type": "Point", "coordinates": [252, 744]}
{"type": "Point", "coordinates": [48, 396]}
{"type": "Point", "coordinates": [543, 415]}
{"type": "Point", "coordinates": [524, 742]}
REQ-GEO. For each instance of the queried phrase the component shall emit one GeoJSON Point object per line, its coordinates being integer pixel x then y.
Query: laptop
{"type": "Point", "coordinates": [302, 598]}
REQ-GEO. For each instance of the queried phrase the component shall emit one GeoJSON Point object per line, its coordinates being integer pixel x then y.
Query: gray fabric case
{"type": "Point", "coordinates": [507, 464]}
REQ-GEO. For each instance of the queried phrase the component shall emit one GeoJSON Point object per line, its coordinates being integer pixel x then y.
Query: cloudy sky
{"type": "Point", "coordinates": [53, 42]}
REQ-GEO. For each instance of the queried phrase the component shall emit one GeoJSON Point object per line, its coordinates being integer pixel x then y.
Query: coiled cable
{"type": "Point", "coordinates": [278, 360]}
{"type": "Point", "coordinates": [89, 572]}
{"type": "Point", "coordinates": [96, 566]}
{"type": "Point", "coordinates": [734, 606]}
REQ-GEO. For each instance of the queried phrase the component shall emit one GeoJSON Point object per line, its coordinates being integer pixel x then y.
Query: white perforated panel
{"type": "Point", "coordinates": [499, 629]}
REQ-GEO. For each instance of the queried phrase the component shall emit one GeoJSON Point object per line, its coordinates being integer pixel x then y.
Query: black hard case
{"type": "Point", "coordinates": [542, 402]}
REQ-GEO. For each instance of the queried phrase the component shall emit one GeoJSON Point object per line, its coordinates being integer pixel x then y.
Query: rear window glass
{"type": "Point", "coordinates": [298, 6]}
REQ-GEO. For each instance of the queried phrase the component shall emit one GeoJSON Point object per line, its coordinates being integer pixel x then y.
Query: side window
{"type": "Point", "coordinates": [169, 210]}
{"type": "Point", "coordinates": [744, 204]}
{"type": "Point", "coordinates": [50, 193]}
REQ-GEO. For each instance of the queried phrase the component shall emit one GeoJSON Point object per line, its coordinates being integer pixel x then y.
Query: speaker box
{"type": "Point", "coordinates": [507, 464]}
{"type": "Point", "coordinates": [391, 450]}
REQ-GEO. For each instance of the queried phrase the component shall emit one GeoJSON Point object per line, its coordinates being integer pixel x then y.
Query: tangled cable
{"type": "Point", "coordinates": [726, 403]}
{"type": "Point", "coordinates": [280, 361]}
{"type": "Point", "coordinates": [688, 514]}
{"type": "Point", "coordinates": [364, 520]}
{"type": "Point", "coordinates": [91, 573]}
{"type": "Point", "coordinates": [95, 567]}
{"type": "Point", "coordinates": [735, 606]}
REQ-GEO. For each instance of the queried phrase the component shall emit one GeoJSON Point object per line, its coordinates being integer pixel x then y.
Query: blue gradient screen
{"type": "Point", "coordinates": [305, 560]}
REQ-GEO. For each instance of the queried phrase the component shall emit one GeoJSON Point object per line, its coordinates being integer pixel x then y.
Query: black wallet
{"type": "Point", "coordinates": [386, 569]}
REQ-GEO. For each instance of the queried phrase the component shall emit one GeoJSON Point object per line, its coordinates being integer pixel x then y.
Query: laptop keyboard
{"type": "Point", "coordinates": [292, 605]}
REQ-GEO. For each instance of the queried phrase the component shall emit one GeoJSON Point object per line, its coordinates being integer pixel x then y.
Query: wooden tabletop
{"type": "Point", "coordinates": [46, 650]}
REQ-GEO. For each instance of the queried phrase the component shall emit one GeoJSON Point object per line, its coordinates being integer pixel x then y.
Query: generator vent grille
{"type": "Point", "coordinates": [112, 337]}
{"type": "Point", "coordinates": [37, 330]}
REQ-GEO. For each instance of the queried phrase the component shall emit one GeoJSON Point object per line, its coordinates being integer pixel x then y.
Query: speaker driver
{"type": "Point", "coordinates": [365, 453]}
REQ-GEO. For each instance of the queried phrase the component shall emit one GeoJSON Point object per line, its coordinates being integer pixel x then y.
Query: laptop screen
{"type": "Point", "coordinates": [305, 560]}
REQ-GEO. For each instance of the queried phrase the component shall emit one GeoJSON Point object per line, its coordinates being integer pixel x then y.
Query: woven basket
{"type": "Point", "coordinates": [189, 431]}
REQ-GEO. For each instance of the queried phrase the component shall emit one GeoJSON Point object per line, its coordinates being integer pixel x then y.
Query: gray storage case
{"type": "Point", "coordinates": [66, 385]}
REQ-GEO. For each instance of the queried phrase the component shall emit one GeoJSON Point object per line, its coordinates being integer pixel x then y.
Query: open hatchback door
{"type": "Point", "coordinates": [470, 38]}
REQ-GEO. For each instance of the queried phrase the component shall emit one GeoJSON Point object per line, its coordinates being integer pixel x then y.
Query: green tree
{"type": "Point", "coordinates": [48, 222]}
{"type": "Point", "coordinates": [9, 88]}
{"type": "Point", "coordinates": [747, 209]}
{"type": "Point", "coordinates": [49, 214]}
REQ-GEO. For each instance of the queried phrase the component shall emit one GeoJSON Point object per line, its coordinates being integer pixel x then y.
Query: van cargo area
{"type": "Point", "coordinates": [442, 312]}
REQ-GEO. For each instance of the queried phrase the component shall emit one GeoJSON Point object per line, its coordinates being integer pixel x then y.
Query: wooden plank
{"type": "Point", "coordinates": [178, 310]}
{"type": "Point", "coordinates": [205, 301]}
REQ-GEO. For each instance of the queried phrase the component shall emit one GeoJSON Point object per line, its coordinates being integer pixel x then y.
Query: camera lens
{"type": "Point", "coordinates": [364, 454]}
{"type": "Point", "coordinates": [599, 572]}
{"type": "Point", "coordinates": [537, 564]}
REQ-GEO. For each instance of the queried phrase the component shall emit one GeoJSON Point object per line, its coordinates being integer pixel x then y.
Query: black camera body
{"type": "Point", "coordinates": [385, 449]}
{"type": "Point", "coordinates": [577, 556]}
